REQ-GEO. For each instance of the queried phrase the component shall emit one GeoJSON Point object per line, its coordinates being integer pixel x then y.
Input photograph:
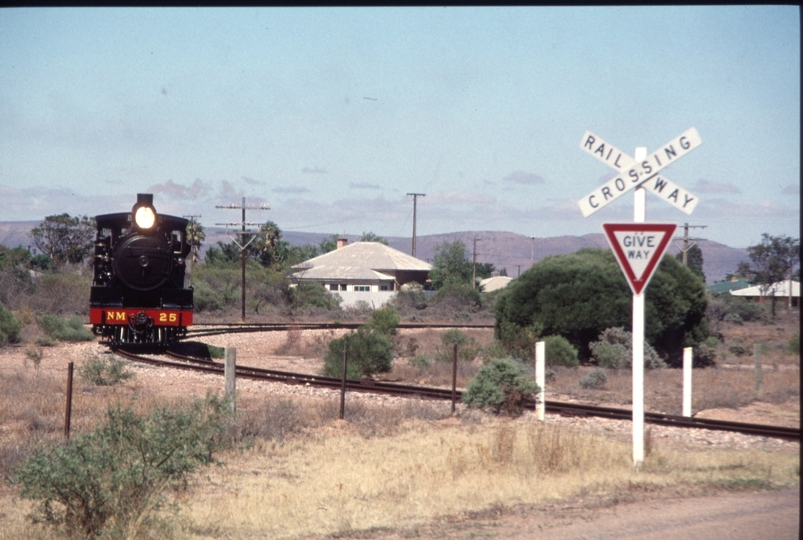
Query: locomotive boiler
{"type": "Point", "coordinates": [140, 290]}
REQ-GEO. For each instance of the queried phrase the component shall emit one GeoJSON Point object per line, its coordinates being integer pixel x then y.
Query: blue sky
{"type": "Point", "coordinates": [331, 116]}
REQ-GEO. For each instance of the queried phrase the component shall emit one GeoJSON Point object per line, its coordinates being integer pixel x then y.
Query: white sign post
{"type": "Point", "coordinates": [639, 246]}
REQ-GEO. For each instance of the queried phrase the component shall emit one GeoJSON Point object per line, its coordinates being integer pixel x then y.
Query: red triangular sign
{"type": "Point", "coordinates": [638, 248]}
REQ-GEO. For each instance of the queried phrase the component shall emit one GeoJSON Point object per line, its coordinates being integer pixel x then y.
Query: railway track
{"type": "Point", "coordinates": [403, 390]}
{"type": "Point", "coordinates": [200, 330]}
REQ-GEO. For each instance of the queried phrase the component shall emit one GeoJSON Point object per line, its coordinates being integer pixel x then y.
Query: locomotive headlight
{"type": "Point", "coordinates": [145, 217]}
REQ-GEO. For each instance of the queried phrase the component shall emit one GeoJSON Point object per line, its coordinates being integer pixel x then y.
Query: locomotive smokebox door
{"type": "Point", "coordinates": [144, 262]}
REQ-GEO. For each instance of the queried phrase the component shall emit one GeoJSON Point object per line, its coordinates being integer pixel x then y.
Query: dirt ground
{"type": "Point", "coordinates": [734, 516]}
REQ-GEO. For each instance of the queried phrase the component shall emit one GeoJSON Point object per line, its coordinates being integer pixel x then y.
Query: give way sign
{"type": "Point", "coordinates": [639, 248]}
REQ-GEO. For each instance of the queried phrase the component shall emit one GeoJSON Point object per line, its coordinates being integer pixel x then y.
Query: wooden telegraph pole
{"type": "Point", "coordinates": [415, 197]}
{"type": "Point", "coordinates": [242, 244]}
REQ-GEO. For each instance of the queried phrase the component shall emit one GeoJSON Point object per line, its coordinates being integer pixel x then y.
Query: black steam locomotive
{"type": "Point", "coordinates": [140, 292]}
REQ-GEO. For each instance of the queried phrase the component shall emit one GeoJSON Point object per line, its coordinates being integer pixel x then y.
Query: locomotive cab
{"type": "Point", "coordinates": [139, 294]}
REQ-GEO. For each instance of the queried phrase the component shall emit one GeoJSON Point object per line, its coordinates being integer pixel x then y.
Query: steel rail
{"type": "Point", "coordinates": [200, 330]}
{"type": "Point", "coordinates": [388, 388]}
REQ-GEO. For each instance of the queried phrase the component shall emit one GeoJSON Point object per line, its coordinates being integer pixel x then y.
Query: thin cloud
{"type": "Point", "coordinates": [706, 186]}
{"type": "Point", "coordinates": [524, 178]}
{"type": "Point", "coordinates": [791, 189]}
{"type": "Point", "coordinates": [227, 193]}
{"type": "Point", "coordinates": [765, 210]}
{"type": "Point", "coordinates": [313, 170]}
{"type": "Point", "coordinates": [357, 185]}
{"type": "Point", "coordinates": [252, 181]}
{"type": "Point", "coordinates": [290, 190]}
{"type": "Point", "coordinates": [459, 197]}
{"type": "Point", "coordinates": [198, 189]}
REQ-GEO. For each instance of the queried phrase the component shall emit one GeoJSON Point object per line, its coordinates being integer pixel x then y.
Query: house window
{"type": "Point", "coordinates": [362, 288]}
{"type": "Point", "coordinates": [343, 287]}
{"type": "Point", "coordinates": [333, 286]}
{"type": "Point", "coordinates": [384, 288]}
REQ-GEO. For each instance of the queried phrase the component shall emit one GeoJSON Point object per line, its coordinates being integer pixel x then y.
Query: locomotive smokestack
{"type": "Point", "coordinates": [144, 199]}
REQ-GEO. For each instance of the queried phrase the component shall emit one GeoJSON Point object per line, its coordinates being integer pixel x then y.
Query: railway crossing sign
{"type": "Point", "coordinates": [644, 174]}
{"type": "Point", "coordinates": [639, 248]}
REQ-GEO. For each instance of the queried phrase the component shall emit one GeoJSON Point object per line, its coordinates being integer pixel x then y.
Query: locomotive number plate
{"type": "Point", "coordinates": [121, 316]}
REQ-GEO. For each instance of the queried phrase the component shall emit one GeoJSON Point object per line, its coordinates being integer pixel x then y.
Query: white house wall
{"type": "Point", "coordinates": [375, 299]}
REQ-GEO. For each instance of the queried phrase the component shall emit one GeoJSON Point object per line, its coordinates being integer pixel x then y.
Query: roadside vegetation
{"type": "Point", "coordinates": [288, 468]}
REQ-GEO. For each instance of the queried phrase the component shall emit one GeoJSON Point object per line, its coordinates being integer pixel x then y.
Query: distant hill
{"type": "Point", "coordinates": [17, 233]}
{"type": "Point", "coordinates": [511, 251]}
{"type": "Point", "coordinates": [516, 252]}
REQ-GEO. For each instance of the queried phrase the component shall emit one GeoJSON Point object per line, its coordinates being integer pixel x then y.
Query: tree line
{"type": "Point", "coordinates": [575, 296]}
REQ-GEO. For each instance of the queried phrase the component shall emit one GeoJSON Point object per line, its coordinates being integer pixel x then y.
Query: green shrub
{"type": "Point", "coordinates": [458, 298]}
{"type": "Point", "coordinates": [794, 344]}
{"type": "Point", "coordinates": [45, 342]}
{"type": "Point", "coordinates": [518, 341]}
{"type": "Point", "coordinates": [216, 352]}
{"type": "Point", "coordinates": [705, 354]}
{"type": "Point", "coordinates": [739, 349]}
{"type": "Point", "coordinates": [495, 349]}
{"type": "Point", "coordinates": [500, 386]}
{"type": "Point", "coordinates": [10, 326]}
{"type": "Point", "coordinates": [368, 353]}
{"type": "Point", "coordinates": [420, 361]}
{"type": "Point", "coordinates": [312, 294]}
{"type": "Point", "coordinates": [111, 480]}
{"type": "Point", "coordinates": [559, 352]}
{"type": "Point", "coordinates": [467, 346]}
{"type": "Point", "coordinates": [384, 321]}
{"type": "Point", "coordinates": [578, 296]}
{"type": "Point", "coordinates": [594, 379]}
{"type": "Point", "coordinates": [64, 330]}
{"type": "Point", "coordinates": [104, 372]}
{"type": "Point", "coordinates": [615, 350]}
{"type": "Point", "coordinates": [410, 298]}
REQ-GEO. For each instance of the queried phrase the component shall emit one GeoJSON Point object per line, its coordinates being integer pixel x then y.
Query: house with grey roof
{"type": "Point", "coordinates": [363, 271]}
{"type": "Point", "coordinates": [783, 290]}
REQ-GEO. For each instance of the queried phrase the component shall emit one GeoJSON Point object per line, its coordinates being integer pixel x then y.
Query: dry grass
{"type": "Point", "coordinates": [773, 335]}
{"type": "Point", "coordinates": [307, 344]}
{"type": "Point", "coordinates": [303, 472]}
{"type": "Point", "coordinates": [663, 388]}
{"type": "Point", "coordinates": [337, 481]}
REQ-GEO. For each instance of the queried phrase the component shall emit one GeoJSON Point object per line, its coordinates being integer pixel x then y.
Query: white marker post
{"type": "Point", "coordinates": [230, 375]}
{"type": "Point", "coordinates": [540, 379]}
{"type": "Point", "coordinates": [687, 365]}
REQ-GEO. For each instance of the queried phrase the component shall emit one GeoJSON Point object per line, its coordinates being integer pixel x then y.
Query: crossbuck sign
{"type": "Point", "coordinates": [644, 174]}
